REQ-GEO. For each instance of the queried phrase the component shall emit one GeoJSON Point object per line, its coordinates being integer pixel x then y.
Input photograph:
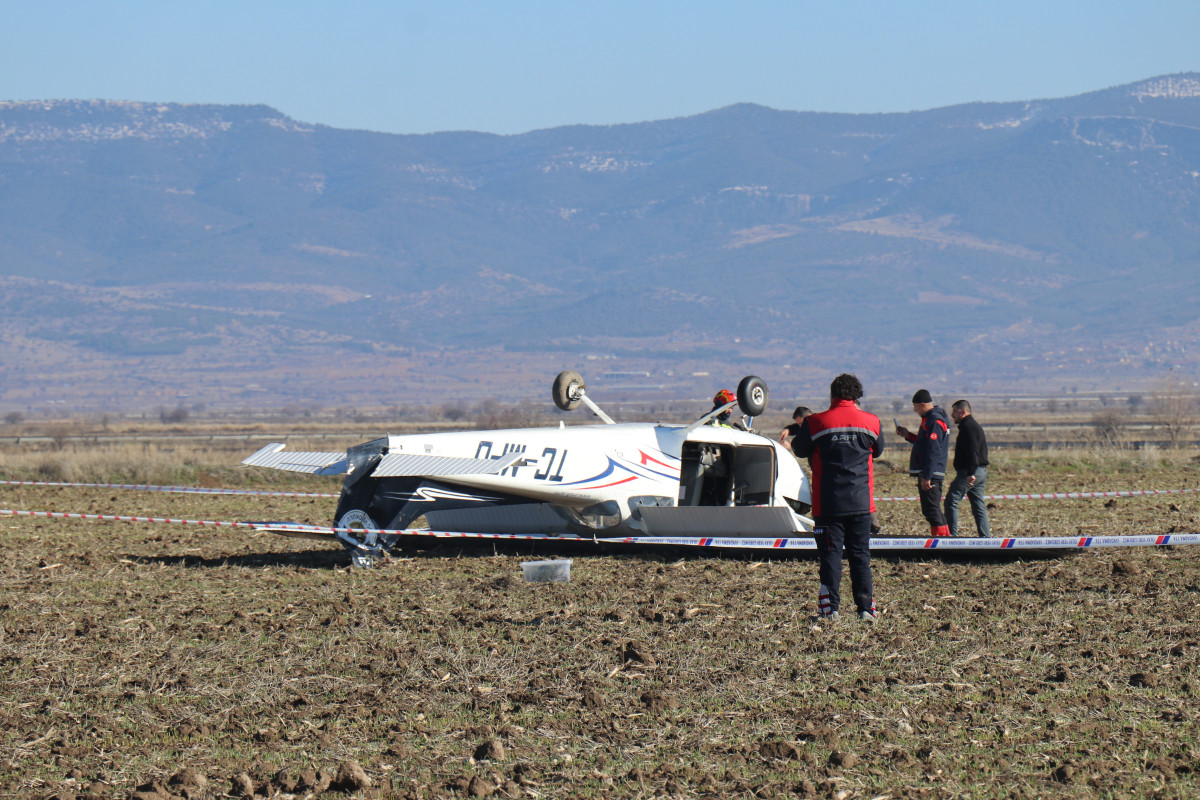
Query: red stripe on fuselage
{"type": "Point", "coordinates": [650, 459]}
{"type": "Point", "coordinates": [615, 483]}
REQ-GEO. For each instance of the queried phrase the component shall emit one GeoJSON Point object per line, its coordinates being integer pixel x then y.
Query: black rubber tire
{"type": "Point", "coordinates": [752, 395]}
{"type": "Point", "coordinates": [566, 385]}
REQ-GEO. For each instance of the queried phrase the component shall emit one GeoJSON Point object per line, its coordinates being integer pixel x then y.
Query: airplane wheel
{"type": "Point", "coordinates": [568, 389]}
{"type": "Point", "coordinates": [752, 395]}
{"type": "Point", "coordinates": [362, 531]}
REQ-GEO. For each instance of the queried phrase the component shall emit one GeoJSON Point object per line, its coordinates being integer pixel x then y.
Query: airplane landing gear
{"type": "Point", "coordinates": [360, 535]}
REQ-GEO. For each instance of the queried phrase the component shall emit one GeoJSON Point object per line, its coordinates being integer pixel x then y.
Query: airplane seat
{"type": "Point", "coordinates": [691, 483]}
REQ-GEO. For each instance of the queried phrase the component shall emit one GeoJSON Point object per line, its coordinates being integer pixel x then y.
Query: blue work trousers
{"type": "Point", "coordinates": [854, 533]}
{"type": "Point", "coordinates": [979, 510]}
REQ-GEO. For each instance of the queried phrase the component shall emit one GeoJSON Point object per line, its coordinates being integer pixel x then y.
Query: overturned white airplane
{"type": "Point", "coordinates": [586, 481]}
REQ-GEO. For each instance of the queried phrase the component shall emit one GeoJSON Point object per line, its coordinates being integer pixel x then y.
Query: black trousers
{"type": "Point", "coordinates": [931, 502]}
{"type": "Point", "coordinates": [854, 533]}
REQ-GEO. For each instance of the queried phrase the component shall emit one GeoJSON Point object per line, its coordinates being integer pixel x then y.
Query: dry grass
{"type": "Point", "coordinates": [112, 463]}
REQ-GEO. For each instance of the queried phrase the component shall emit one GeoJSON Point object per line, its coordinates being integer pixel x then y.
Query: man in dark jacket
{"type": "Point", "coordinates": [970, 470]}
{"type": "Point", "coordinates": [798, 416]}
{"type": "Point", "coordinates": [842, 443]}
{"type": "Point", "coordinates": [931, 445]}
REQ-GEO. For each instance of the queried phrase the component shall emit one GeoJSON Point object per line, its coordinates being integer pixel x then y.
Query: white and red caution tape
{"type": "Point", "coordinates": [925, 543]}
{"type": "Point", "coordinates": [287, 529]}
{"type": "Point", "coordinates": [142, 487]}
{"type": "Point", "coordinates": [737, 543]}
{"type": "Point", "coordinates": [6, 512]}
{"type": "Point", "coordinates": [1066, 495]}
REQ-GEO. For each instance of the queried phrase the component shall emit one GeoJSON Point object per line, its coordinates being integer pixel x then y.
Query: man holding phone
{"type": "Point", "coordinates": [931, 445]}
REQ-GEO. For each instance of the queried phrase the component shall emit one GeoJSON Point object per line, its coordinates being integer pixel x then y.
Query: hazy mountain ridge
{"type": "Point", "coordinates": [1077, 215]}
{"type": "Point", "coordinates": [110, 120]}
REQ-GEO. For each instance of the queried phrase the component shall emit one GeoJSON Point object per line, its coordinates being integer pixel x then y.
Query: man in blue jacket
{"type": "Point", "coordinates": [931, 445]}
{"type": "Point", "coordinates": [842, 443]}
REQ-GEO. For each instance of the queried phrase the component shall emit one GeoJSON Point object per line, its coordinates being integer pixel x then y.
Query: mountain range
{"type": "Point", "coordinates": [160, 253]}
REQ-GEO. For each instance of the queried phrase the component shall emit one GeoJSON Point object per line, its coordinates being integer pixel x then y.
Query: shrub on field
{"type": "Point", "coordinates": [454, 413]}
{"type": "Point", "coordinates": [51, 469]}
{"type": "Point", "coordinates": [173, 416]}
{"type": "Point", "coordinates": [1150, 457]}
{"type": "Point", "coordinates": [1175, 406]}
{"type": "Point", "coordinates": [491, 414]}
{"type": "Point", "coordinates": [1108, 426]}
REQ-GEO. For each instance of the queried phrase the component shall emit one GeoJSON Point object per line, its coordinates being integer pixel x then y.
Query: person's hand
{"type": "Point", "coordinates": [971, 481]}
{"type": "Point", "coordinates": [901, 431]}
{"type": "Point", "coordinates": [925, 484]}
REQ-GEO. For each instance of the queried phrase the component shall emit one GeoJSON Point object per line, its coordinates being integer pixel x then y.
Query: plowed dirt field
{"type": "Point", "coordinates": [158, 660]}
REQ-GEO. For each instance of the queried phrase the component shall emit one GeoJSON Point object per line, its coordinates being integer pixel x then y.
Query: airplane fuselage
{"type": "Point", "coordinates": [607, 472]}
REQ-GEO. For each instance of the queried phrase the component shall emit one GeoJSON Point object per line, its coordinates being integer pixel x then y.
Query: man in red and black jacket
{"type": "Point", "coordinates": [931, 445]}
{"type": "Point", "coordinates": [843, 443]}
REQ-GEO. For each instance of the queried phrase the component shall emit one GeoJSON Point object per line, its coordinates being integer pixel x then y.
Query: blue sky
{"type": "Point", "coordinates": [509, 67]}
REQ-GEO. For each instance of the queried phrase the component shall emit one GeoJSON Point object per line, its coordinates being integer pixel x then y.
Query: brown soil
{"type": "Point", "coordinates": [162, 661]}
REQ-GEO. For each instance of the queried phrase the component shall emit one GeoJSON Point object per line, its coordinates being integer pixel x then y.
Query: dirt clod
{"type": "Point", "coordinates": [1064, 773]}
{"type": "Point", "coordinates": [480, 787]}
{"type": "Point", "coordinates": [187, 779]}
{"type": "Point", "coordinates": [241, 785]}
{"type": "Point", "coordinates": [659, 701]}
{"type": "Point", "coordinates": [351, 777]}
{"type": "Point", "coordinates": [1163, 764]}
{"type": "Point", "coordinates": [806, 788]}
{"type": "Point", "coordinates": [491, 750]}
{"type": "Point", "coordinates": [1144, 680]}
{"type": "Point", "coordinates": [783, 751]}
{"type": "Point", "coordinates": [286, 781]}
{"type": "Point", "coordinates": [592, 698]}
{"type": "Point", "coordinates": [637, 652]}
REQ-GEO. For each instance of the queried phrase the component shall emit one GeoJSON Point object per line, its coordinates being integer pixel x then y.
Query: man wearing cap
{"type": "Point", "coordinates": [842, 443]}
{"type": "Point", "coordinates": [931, 445]}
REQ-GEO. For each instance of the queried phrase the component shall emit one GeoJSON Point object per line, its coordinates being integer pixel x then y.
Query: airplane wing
{"type": "Point", "coordinates": [272, 457]}
{"type": "Point", "coordinates": [391, 465]}
{"type": "Point", "coordinates": [394, 464]}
